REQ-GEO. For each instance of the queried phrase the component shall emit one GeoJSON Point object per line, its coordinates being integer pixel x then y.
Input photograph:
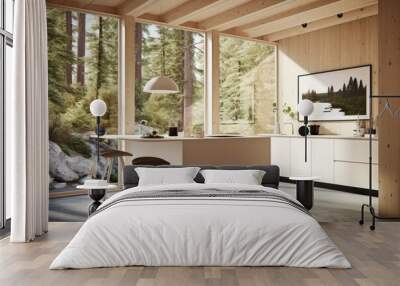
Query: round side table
{"type": "Point", "coordinates": [305, 190]}
{"type": "Point", "coordinates": [96, 194]}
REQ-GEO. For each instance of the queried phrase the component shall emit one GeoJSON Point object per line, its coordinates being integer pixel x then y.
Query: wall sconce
{"type": "Point", "coordinates": [305, 108]}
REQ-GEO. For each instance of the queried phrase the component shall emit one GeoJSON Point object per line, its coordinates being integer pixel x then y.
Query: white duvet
{"type": "Point", "coordinates": [193, 231]}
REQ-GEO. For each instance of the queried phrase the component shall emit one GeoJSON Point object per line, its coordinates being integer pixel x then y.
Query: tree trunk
{"type": "Point", "coordinates": [68, 68]}
{"type": "Point", "coordinates": [80, 77]}
{"type": "Point", "coordinates": [138, 44]}
{"type": "Point", "coordinates": [187, 83]}
{"type": "Point", "coordinates": [100, 54]}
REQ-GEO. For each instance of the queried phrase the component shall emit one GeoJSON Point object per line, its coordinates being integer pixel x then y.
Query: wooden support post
{"type": "Point", "coordinates": [127, 81]}
{"type": "Point", "coordinates": [212, 83]}
{"type": "Point", "coordinates": [389, 127]}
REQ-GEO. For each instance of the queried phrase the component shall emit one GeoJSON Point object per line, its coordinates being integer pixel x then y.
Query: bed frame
{"type": "Point", "coordinates": [270, 179]}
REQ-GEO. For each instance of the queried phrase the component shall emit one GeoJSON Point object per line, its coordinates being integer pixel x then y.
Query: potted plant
{"type": "Point", "coordinates": [290, 114]}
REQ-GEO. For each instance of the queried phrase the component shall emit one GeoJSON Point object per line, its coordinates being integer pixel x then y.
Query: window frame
{"type": "Point", "coordinates": [6, 39]}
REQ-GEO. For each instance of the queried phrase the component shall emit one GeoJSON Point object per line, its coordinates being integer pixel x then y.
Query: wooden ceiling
{"type": "Point", "coordinates": [268, 20]}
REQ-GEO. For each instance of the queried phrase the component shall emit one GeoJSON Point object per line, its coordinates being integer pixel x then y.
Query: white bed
{"type": "Point", "coordinates": [202, 231]}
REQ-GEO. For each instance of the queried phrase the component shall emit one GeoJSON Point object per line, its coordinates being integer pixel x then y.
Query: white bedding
{"type": "Point", "coordinates": [200, 231]}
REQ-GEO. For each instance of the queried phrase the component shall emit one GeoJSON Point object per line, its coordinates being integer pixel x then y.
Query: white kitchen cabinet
{"type": "Point", "coordinates": [280, 154]}
{"type": "Point", "coordinates": [322, 160]}
{"type": "Point", "coordinates": [355, 151]}
{"type": "Point", "coordinates": [355, 174]}
{"type": "Point", "coordinates": [341, 161]}
{"type": "Point", "coordinates": [298, 166]}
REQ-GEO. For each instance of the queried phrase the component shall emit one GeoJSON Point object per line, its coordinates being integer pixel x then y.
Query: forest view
{"type": "Point", "coordinates": [247, 86]}
{"type": "Point", "coordinates": [179, 55]}
{"type": "Point", "coordinates": [83, 65]}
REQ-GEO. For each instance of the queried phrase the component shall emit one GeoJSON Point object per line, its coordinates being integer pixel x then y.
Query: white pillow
{"type": "Point", "coordinates": [247, 177]}
{"type": "Point", "coordinates": [166, 176]}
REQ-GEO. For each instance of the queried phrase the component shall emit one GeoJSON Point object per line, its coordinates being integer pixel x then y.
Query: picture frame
{"type": "Point", "coordinates": [339, 94]}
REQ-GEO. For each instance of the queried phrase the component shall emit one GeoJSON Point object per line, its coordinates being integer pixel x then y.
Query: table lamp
{"type": "Point", "coordinates": [98, 108]}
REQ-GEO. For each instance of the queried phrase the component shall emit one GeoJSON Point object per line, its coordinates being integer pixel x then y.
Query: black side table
{"type": "Point", "coordinates": [305, 190]}
{"type": "Point", "coordinates": [96, 194]}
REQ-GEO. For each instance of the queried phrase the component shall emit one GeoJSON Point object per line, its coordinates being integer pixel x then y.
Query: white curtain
{"type": "Point", "coordinates": [27, 124]}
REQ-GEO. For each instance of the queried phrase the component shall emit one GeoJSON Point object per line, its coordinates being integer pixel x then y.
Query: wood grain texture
{"type": "Point", "coordinates": [324, 23]}
{"type": "Point", "coordinates": [230, 151]}
{"type": "Point", "coordinates": [389, 84]}
{"type": "Point", "coordinates": [375, 257]}
{"type": "Point", "coordinates": [346, 45]}
{"type": "Point", "coordinates": [212, 83]}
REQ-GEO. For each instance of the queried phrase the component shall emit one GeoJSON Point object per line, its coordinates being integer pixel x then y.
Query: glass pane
{"type": "Point", "coordinates": [179, 55]}
{"type": "Point", "coordinates": [1, 14]}
{"type": "Point", "coordinates": [8, 94]}
{"type": "Point", "coordinates": [83, 65]}
{"type": "Point", "coordinates": [9, 14]}
{"type": "Point", "coordinates": [2, 195]}
{"type": "Point", "coordinates": [247, 86]}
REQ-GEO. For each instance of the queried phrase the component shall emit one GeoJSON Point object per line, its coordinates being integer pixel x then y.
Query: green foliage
{"type": "Point", "coordinates": [163, 53]}
{"type": "Point", "coordinates": [69, 104]}
{"type": "Point", "coordinates": [288, 110]}
{"type": "Point", "coordinates": [74, 145]}
{"type": "Point", "coordinates": [237, 58]}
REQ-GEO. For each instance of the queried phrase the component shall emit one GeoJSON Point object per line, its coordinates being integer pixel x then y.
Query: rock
{"type": "Point", "coordinates": [64, 168]}
{"type": "Point", "coordinates": [58, 166]}
{"type": "Point", "coordinates": [80, 165]}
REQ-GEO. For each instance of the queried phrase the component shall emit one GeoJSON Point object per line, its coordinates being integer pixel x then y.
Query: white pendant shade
{"type": "Point", "coordinates": [161, 84]}
{"type": "Point", "coordinates": [98, 107]}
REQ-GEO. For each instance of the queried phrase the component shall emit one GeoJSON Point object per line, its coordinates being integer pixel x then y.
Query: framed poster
{"type": "Point", "coordinates": [341, 94]}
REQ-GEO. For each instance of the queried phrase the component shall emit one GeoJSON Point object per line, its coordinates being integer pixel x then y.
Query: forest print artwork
{"type": "Point", "coordinates": [339, 94]}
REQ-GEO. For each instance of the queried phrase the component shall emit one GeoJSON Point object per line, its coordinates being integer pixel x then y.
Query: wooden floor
{"type": "Point", "coordinates": [375, 257]}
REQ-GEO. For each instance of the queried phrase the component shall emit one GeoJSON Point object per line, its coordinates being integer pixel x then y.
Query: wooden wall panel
{"type": "Point", "coordinates": [346, 45]}
{"type": "Point", "coordinates": [229, 151]}
{"type": "Point", "coordinates": [389, 128]}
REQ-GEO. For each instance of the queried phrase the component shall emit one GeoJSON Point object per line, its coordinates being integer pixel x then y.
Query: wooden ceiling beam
{"type": "Point", "coordinates": [235, 15]}
{"type": "Point", "coordinates": [185, 12]}
{"type": "Point", "coordinates": [83, 6]}
{"type": "Point", "coordinates": [324, 23]}
{"type": "Point", "coordinates": [135, 8]}
{"type": "Point", "coordinates": [309, 16]}
{"type": "Point", "coordinates": [157, 20]}
{"type": "Point", "coordinates": [288, 12]}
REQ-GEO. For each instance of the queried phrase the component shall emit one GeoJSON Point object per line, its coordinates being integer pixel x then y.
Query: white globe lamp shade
{"type": "Point", "coordinates": [305, 107]}
{"type": "Point", "coordinates": [98, 107]}
{"type": "Point", "coordinates": [161, 84]}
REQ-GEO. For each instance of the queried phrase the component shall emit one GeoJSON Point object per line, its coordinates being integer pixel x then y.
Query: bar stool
{"type": "Point", "coordinates": [110, 155]}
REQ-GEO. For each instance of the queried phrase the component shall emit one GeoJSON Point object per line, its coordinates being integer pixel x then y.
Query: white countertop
{"type": "Point", "coordinates": [179, 138]}
{"type": "Point", "coordinates": [174, 138]}
{"type": "Point", "coordinates": [325, 137]}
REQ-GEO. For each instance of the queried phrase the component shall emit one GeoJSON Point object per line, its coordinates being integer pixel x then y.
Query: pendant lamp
{"type": "Point", "coordinates": [161, 84]}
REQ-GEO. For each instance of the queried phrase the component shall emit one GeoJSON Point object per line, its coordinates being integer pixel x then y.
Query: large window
{"type": "Point", "coordinates": [6, 64]}
{"type": "Point", "coordinates": [83, 65]}
{"type": "Point", "coordinates": [179, 55]}
{"type": "Point", "coordinates": [247, 86]}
